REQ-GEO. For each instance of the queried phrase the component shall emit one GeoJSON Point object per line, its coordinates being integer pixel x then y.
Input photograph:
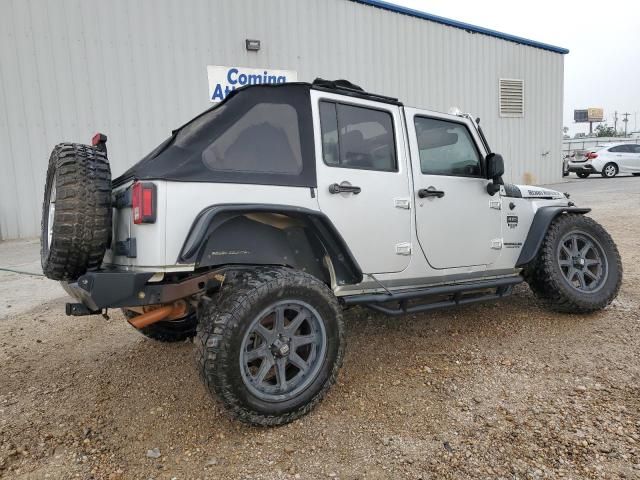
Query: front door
{"type": "Point", "coordinates": [363, 181]}
{"type": "Point", "coordinates": [458, 222]}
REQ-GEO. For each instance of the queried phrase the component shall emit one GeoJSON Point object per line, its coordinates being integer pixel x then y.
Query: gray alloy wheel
{"type": "Point", "coordinates": [283, 350]}
{"type": "Point", "coordinates": [610, 170]}
{"type": "Point", "coordinates": [270, 343]}
{"type": "Point", "coordinates": [578, 267]}
{"type": "Point", "coordinates": [582, 261]}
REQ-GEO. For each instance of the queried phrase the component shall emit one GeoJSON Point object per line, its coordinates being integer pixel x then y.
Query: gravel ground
{"type": "Point", "coordinates": [504, 390]}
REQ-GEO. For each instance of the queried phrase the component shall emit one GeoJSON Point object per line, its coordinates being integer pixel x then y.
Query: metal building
{"type": "Point", "coordinates": [136, 70]}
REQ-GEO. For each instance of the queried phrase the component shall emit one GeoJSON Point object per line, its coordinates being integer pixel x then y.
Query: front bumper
{"type": "Point", "coordinates": [582, 168]}
{"type": "Point", "coordinates": [115, 289]}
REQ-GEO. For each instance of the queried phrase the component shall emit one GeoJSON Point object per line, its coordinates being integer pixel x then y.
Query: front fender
{"type": "Point", "coordinates": [541, 221]}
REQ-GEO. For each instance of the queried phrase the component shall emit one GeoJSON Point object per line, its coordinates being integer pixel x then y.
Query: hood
{"type": "Point", "coordinates": [529, 191]}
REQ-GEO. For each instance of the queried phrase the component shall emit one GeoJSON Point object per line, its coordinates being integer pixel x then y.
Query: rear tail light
{"type": "Point", "coordinates": [143, 202]}
{"type": "Point", "coordinates": [99, 140]}
{"type": "Point", "coordinates": [591, 155]}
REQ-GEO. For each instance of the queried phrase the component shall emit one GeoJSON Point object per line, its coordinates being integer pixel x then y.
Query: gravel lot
{"type": "Point", "coordinates": [503, 390]}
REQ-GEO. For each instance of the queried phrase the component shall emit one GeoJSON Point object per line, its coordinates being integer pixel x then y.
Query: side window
{"type": "Point", "coordinates": [265, 139]}
{"type": "Point", "coordinates": [357, 137]}
{"type": "Point", "coordinates": [446, 148]}
{"type": "Point", "coordinates": [620, 149]}
{"type": "Point", "coordinates": [635, 148]}
{"type": "Point", "coordinates": [329, 125]}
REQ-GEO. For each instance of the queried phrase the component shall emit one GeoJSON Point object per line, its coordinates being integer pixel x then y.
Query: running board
{"type": "Point", "coordinates": [458, 294]}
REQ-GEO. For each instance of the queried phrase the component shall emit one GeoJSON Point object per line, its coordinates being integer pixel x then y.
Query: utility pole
{"type": "Point", "coordinates": [626, 120]}
{"type": "Point", "coordinates": [615, 122]}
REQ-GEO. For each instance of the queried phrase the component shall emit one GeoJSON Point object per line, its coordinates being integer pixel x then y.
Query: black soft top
{"type": "Point", "coordinates": [259, 134]}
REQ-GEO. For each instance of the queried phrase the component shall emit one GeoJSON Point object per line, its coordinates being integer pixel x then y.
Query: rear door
{"type": "Point", "coordinates": [458, 222]}
{"type": "Point", "coordinates": [363, 179]}
{"type": "Point", "coordinates": [623, 156]}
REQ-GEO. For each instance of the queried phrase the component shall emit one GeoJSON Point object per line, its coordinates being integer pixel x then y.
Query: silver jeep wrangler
{"type": "Point", "coordinates": [258, 222]}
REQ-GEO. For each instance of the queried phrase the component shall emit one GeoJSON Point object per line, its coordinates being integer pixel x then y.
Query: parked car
{"type": "Point", "coordinates": [565, 163]}
{"type": "Point", "coordinates": [255, 224]}
{"type": "Point", "coordinates": [607, 160]}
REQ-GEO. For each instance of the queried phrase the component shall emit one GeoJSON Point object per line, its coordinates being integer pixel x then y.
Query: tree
{"type": "Point", "coordinates": [603, 130]}
{"type": "Point", "coordinates": [565, 130]}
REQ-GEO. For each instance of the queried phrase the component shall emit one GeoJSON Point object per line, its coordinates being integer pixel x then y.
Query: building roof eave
{"type": "Point", "coordinates": [462, 25]}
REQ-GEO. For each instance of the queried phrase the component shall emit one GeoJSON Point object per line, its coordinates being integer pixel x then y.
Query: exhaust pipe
{"type": "Point", "coordinates": [167, 312]}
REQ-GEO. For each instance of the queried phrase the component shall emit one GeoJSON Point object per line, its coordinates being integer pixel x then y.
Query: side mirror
{"type": "Point", "coordinates": [495, 166]}
{"type": "Point", "coordinates": [495, 170]}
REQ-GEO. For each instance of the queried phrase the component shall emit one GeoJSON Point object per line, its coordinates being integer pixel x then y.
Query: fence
{"type": "Point", "coordinates": [581, 144]}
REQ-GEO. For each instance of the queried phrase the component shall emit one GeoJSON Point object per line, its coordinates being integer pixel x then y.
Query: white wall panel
{"type": "Point", "coordinates": [136, 69]}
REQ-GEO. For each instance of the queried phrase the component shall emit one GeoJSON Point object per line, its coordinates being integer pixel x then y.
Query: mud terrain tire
{"type": "Point", "coordinates": [558, 260]}
{"type": "Point", "coordinates": [226, 337]}
{"type": "Point", "coordinates": [77, 204]}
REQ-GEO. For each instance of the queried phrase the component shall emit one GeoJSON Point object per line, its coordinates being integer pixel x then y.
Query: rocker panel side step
{"type": "Point", "coordinates": [459, 294]}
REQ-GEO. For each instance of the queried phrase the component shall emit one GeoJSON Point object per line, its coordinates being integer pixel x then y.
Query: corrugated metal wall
{"type": "Point", "coordinates": [137, 69]}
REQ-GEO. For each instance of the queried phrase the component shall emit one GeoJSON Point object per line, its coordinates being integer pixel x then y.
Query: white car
{"type": "Point", "coordinates": [608, 160]}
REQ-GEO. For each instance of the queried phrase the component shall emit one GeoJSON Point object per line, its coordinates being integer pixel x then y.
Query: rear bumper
{"type": "Point", "coordinates": [582, 168]}
{"type": "Point", "coordinates": [106, 289]}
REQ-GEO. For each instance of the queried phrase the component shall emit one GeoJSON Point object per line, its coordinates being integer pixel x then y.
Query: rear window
{"type": "Point", "coordinates": [620, 149]}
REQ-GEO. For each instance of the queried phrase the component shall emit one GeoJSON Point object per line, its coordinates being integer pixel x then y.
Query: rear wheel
{"type": "Point", "coordinates": [76, 212]}
{"type": "Point", "coordinates": [270, 345]}
{"type": "Point", "coordinates": [578, 267]}
{"type": "Point", "coordinates": [610, 170]}
{"type": "Point", "coordinates": [583, 174]}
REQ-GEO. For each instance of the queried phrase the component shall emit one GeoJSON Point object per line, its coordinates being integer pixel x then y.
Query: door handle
{"type": "Point", "coordinates": [430, 192]}
{"type": "Point", "coordinates": [344, 188]}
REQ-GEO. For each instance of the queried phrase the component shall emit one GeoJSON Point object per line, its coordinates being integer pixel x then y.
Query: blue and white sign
{"type": "Point", "coordinates": [223, 80]}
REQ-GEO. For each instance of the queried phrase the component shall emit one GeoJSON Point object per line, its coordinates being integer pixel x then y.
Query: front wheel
{"type": "Point", "coordinates": [583, 174]}
{"type": "Point", "coordinates": [578, 267]}
{"type": "Point", "coordinates": [270, 344]}
{"type": "Point", "coordinates": [610, 170]}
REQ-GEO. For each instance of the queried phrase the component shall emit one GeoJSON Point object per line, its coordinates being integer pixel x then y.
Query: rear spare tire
{"type": "Point", "coordinates": [76, 212]}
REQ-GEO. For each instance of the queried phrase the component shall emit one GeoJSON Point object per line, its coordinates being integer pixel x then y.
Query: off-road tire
{"type": "Point", "coordinates": [168, 331]}
{"type": "Point", "coordinates": [582, 174]}
{"type": "Point", "coordinates": [82, 217]}
{"type": "Point", "coordinates": [223, 320]}
{"type": "Point", "coordinates": [607, 168]}
{"type": "Point", "coordinates": [547, 281]}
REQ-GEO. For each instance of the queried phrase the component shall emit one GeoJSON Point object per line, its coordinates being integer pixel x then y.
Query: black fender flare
{"type": "Point", "coordinates": [210, 219]}
{"type": "Point", "coordinates": [541, 221]}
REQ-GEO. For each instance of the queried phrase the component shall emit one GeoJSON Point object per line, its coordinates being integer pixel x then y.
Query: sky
{"type": "Point", "coordinates": [602, 68]}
